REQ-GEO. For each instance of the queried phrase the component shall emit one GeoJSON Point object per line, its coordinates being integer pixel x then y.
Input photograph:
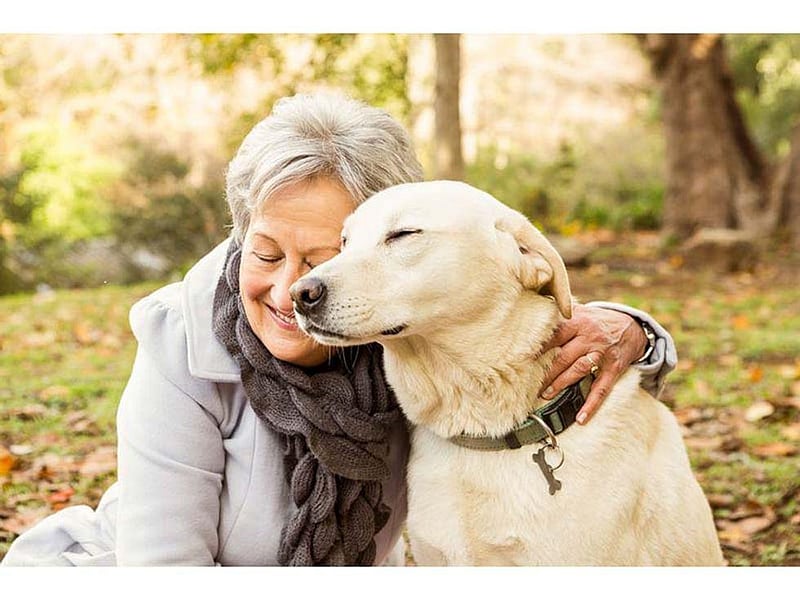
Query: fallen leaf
{"type": "Point", "coordinates": [775, 449]}
{"type": "Point", "coordinates": [39, 339]}
{"type": "Point", "coordinates": [704, 443]}
{"type": "Point", "coordinates": [741, 322]}
{"type": "Point", "coordinates": [703, 388]}
{"type": "Point", "coordinates": [789, 371]}
{"type": "Point", "coordinates": [790, 432]}
{"type": "Point", "coordinates": [60, 496]}
{"type": "Point", "coordinates": [688, 415]}
{"type": "Point", "coordinates": [752, 525]}
{"type": "Point", "coordinates": [20, 449]}
{"type": "Point", "coordinates": [78, 421]}
{"type": "Point", "coordinates": [7, 461]}
{"type": "Point", "coordinates": [85, 335]}
{"type": "Point", "coordinates": [102, 460]}
{"type": "Point", "coordinates": [24, 520]}
{"type": "Point", "coordinates": [28, 413]}
{"type": "Point", "coordinates": [793, 402]}
{"type": "Point", "coordinates": [54, 391]}
{"type": "Point", "coordinates": [749, 508]}
{"type": "Point", "coordinates": [758, 410]}
{"type": "Point", "coordinates": [676, 261]}
{"type": "Point", "coordinates": [729, 360]}
{"type": "Point", "coordinates": [721, 500]}
{"type": "Point", "coordinates": [755, 374]}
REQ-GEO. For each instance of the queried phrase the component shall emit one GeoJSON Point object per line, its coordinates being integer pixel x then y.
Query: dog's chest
{"type": "Point", "coordinates": [496, 507]}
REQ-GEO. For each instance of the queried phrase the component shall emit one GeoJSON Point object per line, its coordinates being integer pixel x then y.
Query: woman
{"type": "Point", "coordinates": [241, 441]}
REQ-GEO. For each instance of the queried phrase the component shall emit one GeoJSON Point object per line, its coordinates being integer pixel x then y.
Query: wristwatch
{"type": "Point", "coordinates": [651, 341]}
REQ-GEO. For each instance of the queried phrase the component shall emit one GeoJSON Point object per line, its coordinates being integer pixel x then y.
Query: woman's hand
{"type": "Point", "coordinates": [609, 339]}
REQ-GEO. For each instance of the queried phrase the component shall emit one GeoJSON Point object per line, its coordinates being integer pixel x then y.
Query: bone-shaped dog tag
{"type": "Point", "coordinates": [547, 470]}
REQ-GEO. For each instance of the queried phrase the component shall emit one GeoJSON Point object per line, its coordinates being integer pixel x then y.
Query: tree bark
{"type": "Point", "coordinates": [449, 159]}
{"type": "Point", "coordinates": [716, 175]}
{"type": "Point", "coordinates": [786, 191]}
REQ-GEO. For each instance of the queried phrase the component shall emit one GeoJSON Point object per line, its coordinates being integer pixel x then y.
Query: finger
{"type": "Point", "coordinates": [597, 394]}
{"type": "Point", "coordinates": [578, 369]}
{"type": "Point", "coordinates": [565, 357]}
{"type": "Point", "coordinates": [563, 334]}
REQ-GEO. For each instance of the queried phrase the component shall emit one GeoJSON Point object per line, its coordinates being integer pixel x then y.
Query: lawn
{"type": "Point", "coordinates": [65, 357]}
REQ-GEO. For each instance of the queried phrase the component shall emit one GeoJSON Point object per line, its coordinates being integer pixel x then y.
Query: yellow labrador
{"type": "Point", "coordinates": [462, 292]}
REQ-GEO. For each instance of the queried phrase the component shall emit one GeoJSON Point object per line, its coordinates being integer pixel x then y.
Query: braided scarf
{"type": "Point", "coordinates": [334, 424]}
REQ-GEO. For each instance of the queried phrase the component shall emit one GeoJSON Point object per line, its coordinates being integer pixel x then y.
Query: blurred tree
{"type": "Point", "coordinates": [717, 176]}
{"type": "Point", "coordinates": [449, 159]}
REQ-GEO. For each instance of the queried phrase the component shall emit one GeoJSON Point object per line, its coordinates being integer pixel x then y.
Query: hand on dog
{"type": "Point", "coordinates": [613, 340]}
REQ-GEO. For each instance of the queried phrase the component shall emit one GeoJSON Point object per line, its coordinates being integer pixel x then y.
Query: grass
{"type": "Point", "coordinates": [66, 357]}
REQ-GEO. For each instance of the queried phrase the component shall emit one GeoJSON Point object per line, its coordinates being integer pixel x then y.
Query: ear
{"type": "Point", "coordinates": [541, 267]}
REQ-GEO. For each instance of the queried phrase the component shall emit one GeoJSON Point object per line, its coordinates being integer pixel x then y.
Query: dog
{"type": "Point", "coordinates": [462, 292]}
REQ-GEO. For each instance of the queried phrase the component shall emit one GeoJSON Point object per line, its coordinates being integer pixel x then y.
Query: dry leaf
{"type": "Point", "coordinates": [39, 339]}
{"type": "Point", "coordinates": [24, 520]}
{"type": "Point", "coordinates": [7, 461]}
{"type": "Point", "coordinates": [703, 388]}
{"type": "Point", "coordinates": [102, 460]}
{"type": "Point", "coordinates": [704, 443]}
{"type": "Point", "coordinates": [775, 449]}
{"type": "Point", "coordinates": [755, 374]}
{"type": "Point", "coordinates": [676, 261]}
{"type": "Point", "coordinates": [741, 322]}
{"type": "Point", "coordinates": [793, 402]}
{"type": "Point", "coordinates": [688, 415]}
{"type": "Point", "coordinates": [750, 508]}
{"type": "Point", "coordinates": [20, 449]}
{"type": "Point", "coordinates": [54, 391]}
{"type": "Point", "coordinates": [752, 525]}
{"type": "Point", "coordinates": [790, 432]}
{"type": "Point", "coordinates": [789, 371]}
{"type": "Point", "coordinates": [85, 335]}
{"type": "Point", "coordinates": [729, 360]}
{"type": "Point", "coordinates": [29, 412]}
{"type": "Point", "coordinates": [758, 410]}
{"type": "Point", "coordinates": [61, 496]}
{"type": "Point", "coordinates": [721, 500]}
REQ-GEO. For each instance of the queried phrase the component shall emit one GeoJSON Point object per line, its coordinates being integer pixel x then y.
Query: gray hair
{"type": "Point", "coordinates": [308, 136]}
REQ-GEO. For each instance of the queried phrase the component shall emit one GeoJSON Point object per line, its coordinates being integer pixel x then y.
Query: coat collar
{"type": "Point", "coordinates": [208, 358]}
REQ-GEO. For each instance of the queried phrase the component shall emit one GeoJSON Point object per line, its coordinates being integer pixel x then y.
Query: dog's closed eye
{"type": "Point", "coordinates": [400, 233]}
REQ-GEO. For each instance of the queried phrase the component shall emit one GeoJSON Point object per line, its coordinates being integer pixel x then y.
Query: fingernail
{"type": "Point", "coordinates": [548, 392]}
{"type": "Point", "coordinates": [581, 418]}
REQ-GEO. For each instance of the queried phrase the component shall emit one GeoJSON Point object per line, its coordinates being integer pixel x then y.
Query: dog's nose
{"type": "Point", "coordinates": [307, 293]}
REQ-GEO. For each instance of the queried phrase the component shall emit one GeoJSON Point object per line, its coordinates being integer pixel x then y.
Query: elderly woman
{"type": "Point", "coordinates": [243, 442]}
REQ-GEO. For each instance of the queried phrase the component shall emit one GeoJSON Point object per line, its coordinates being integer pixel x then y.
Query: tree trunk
{"type": "Point", "coordinates": [716, 176]}
{"type": "Point", "coordinates": [787, 191]}
{"type": "Point", "coordinates": [449, 160]}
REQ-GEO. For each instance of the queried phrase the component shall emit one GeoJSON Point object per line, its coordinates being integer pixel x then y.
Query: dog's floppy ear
{"type": "Point", "coordinates": [541, 267]}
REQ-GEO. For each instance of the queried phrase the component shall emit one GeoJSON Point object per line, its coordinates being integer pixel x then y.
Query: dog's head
{"type": "Point", "coordinates": [419, 257]}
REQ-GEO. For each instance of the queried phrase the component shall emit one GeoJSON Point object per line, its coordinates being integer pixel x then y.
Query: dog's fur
{"type": "Point", "coordinates": [475, 291]}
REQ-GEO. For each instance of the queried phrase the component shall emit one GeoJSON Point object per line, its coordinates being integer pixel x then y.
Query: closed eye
{"type": "Point", "coordinates": [400, 233]}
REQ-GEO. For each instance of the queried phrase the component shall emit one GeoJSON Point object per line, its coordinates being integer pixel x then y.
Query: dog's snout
{"type": "Point", "coordinates": [308, 293]}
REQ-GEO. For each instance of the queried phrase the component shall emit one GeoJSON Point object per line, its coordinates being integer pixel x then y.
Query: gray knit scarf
{"type": "Point", "coordinates": [334, 422]}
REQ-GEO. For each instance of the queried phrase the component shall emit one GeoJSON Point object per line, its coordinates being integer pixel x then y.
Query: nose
{"type": "Point", "coordinates": [307, 293]}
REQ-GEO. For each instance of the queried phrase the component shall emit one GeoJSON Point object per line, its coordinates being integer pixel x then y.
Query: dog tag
{"type": "Point", "coordinates": [547, 470]}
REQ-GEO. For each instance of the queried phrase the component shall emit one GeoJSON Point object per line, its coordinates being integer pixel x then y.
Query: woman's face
{"type": "Point", "coordinates": [298, 228]}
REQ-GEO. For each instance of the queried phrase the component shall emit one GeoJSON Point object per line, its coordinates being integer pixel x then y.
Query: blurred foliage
{"type": "Point", "coordinates": [122, 148]}
{"type": "Point", "coordinates": [157, 206]}
{"type": "Point", "coordinates": [766, 68]}
{"type": "Point", "coordinates": [580, 187]}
